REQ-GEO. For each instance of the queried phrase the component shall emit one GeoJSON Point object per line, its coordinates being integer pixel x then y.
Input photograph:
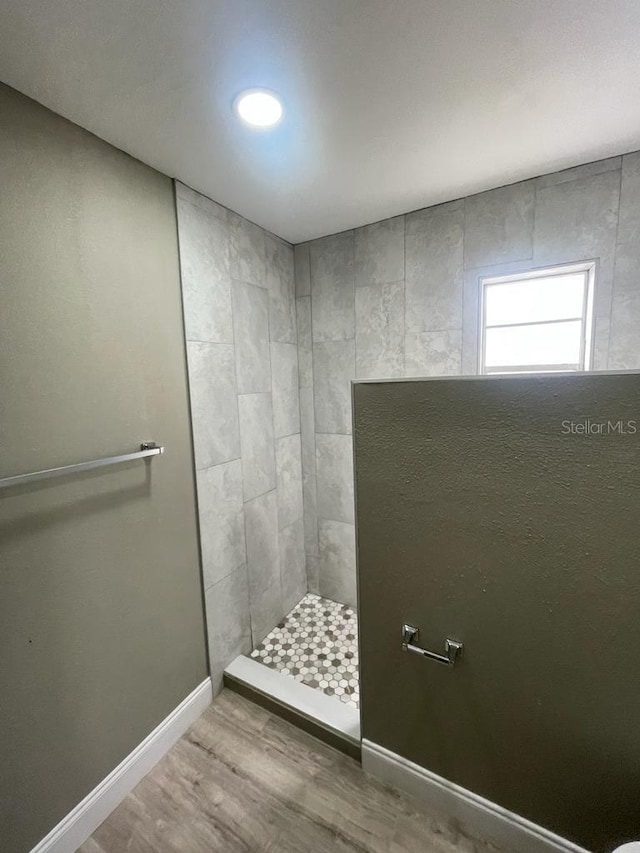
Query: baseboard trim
{"type": "Point", "coordinates": [479, 818]}
{"type": "Point", "coordinates": [74, 829]}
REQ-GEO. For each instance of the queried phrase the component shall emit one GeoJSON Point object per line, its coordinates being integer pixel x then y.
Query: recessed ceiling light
{"type": "Point", "coordinates": [259, 108]}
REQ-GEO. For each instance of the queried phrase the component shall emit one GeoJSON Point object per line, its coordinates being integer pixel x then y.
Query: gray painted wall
{"type": "Point", "coordinates": [400, 298]}
{"type": "Point", "coordinates": [239, 308]}
{"type": "Point", "coordinates": [101, 626]}
{"type": "Point", "coordinates": [481, 517]}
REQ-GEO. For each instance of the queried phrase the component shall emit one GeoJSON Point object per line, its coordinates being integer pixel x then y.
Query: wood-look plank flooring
{"type": "Point", "coordinates": [242, 780]}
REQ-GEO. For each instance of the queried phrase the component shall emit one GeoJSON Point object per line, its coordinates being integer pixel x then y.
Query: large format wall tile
{"type": "Point", "coordinates": [251, 333]}
{"type": "Point", "coordinates": [380, 330]}
{"type": "Point", "coordinates": [334, 474]}
{"type": "Point", "coordinates": [305, 354]}
{"type": "Point", "coordinates": [577, 221]}
{"type": "Point", "coordinates": [434, 353]}
{"type": "Point", "coordinates": [332, 287]}
{"type": "Point", "coordinates": [577, 172]}
{"type": "Point", "coordinates": [434, 245]}
{"type": "Point", "coordinates": [263, 558]}
{"type": "Point", "coordinates": [334, 366]}
{"type": "Point", "coordinates": [257, 443]}
{"type": "Point", "coordinates": [228, 622]}
{"type": "Point", "coordinates": [313, 574]}
{"type": "Point", "coordinates": [286, 404]}
{"type": "Point", "coordinates": [338, 562]}
{"type": "Point", "coordinates": [246, 251]}
{"type": "Point", "coordinates": [212, 208]}
{"type": "Point", "coordinates": [303, 312]}
{"type": "Point", "coordinates": [214, 412]}
{"type": "Point", "coordinates": [289, 480]}
{"type": "Point", "coordinates": [204, 264]}
{"type": "Point", "coordinates": [221, 520]}
{"type": "Point", "coordinates": [281, 285]}
{"type": "Point", "coordinates": [624, 351]}
{"type": "Point", "coordinates": [379, 252]}
{"type": "Point", "coordinates": [498, 225]}
{"type": "Point", "coordinates": [293, 572]}
{"type": "Point", "coordinates": [308, 440]}
{"type": "Point", "coordinates": [629, 224]}
{"type": "Point", "coordinates": [301, 269]}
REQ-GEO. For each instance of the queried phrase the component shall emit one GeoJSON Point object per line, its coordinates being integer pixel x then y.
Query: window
{"type": "Point", "coordinates": [537, 321]}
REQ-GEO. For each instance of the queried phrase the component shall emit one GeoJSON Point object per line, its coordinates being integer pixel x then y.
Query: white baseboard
{"type": "Point", "coordinates": [478, 817]}
{"type": "Point", "coordinates": [74, 829]}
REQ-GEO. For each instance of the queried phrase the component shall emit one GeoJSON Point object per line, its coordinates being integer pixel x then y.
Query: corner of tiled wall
{"type": "Point", "coordinates": [240, 324]}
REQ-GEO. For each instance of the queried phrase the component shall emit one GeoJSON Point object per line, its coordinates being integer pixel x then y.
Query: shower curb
{"type": "Point", "coordinates": [311, 710]}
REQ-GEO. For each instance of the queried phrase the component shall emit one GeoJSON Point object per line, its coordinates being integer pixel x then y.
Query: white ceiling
{"type": "Point", "coordinates": [391, 105]}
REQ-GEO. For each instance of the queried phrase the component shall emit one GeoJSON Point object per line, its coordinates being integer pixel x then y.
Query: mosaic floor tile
{"type": "Point", "coordinates": [316, 643]}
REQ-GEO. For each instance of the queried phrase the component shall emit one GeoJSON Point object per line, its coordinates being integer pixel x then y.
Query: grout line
{"type": "Point", "coordinates": [613, 278]}
{"type": "Point", "coordinates": [212, 343]}
{"type": "Point", "coordinates": [311, 439]}
{"type": "Point", "coordinates": [261, 495]}
{"type": "Point", "coordinates": [404, 296]}
{"type": "Point", "coordinates": [273, 426]}
{"type": "Point", "coordinates": [242, 462]}
{"type": "Point", "coordinates": [218, 464]}
{"type": "Point", "coordinates": [225, 576]}
{"type": "Point", "coordinates": [192, 438]}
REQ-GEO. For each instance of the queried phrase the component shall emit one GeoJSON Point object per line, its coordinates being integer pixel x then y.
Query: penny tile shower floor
{"type": "Point", "coordinates": [316, 643]}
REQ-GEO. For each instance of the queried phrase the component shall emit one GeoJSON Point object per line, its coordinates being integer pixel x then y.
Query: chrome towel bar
{"type": "Point", "coordinates": [410, 636]}
{"type": "Point", "coordinates": [147, 448]}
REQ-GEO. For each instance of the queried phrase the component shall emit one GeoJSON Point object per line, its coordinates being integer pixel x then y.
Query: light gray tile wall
{"type": "Point", "coordinates": [289, 466]}
{"type": "Point", "coordinates": [206, 273]}
{"type": "Point", "coordinates": [220, 503]}
{"type": "Point", "coordinates": [331, 265]}
{"type": "Point", "coordinates": [263, 559]}
{"type": "Point", "coordinates": [293, 564]}
{"type": "Point", "coordinates": [578, 220]}
{"type": "Point", "coordinates": [498, 225]}
{"type": "Point", "coordinates": [379, 330]}
{"type": "Point", "coordinates": [257, 444]}
{"type": "Point", "coordinates": [624, 340]}
{"type": "Point", "coordinates": [241, 329]}
{"type": "Point", "coordinates": [214, 410]}
{"type": "Point", "coordinates": [284, 379]}
{"type": "Point", "coordinates": [334, 365]}
{"type": "Point", "coordinates": [433, 253]}
{"type": "Point", "coordinates": [228, 622]}
{"type": "Point", "coordinates": [400, 298]}
{"type": "Point", "coordinates": [251, 337]}
{"type": "Point", "coordinates": [334, 467]}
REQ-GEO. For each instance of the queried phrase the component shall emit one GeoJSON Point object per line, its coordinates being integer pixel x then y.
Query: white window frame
{"type": "Point", "coordinates": [588, 269]}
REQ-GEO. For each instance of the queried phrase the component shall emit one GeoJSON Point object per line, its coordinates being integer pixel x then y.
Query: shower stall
{"type": "Point", "coordinates": [269, 381]}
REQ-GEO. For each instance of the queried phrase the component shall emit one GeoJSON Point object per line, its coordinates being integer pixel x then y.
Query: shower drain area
{"type": "Point", "coordinates": [317, 644]}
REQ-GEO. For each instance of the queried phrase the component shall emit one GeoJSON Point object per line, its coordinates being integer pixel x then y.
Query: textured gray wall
{"type": "Point", "coordinates": [101, 625]}
{"type": "Point", "coordinates": [482, 519]}
{"type": "Point", "coordinates": [239, 307]}
{"type": "Point", "coordinates": [400, 298]}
